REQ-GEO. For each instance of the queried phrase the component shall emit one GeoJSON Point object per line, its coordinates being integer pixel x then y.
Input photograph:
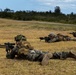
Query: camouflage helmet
{"type": "Point", "coordinates": [20, 37]}
{"type": "Point", "coordinates": [51, 35]}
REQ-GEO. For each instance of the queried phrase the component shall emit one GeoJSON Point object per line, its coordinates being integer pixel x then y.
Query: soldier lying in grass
{"type": "Point", "coordinates": [23, 50]}
{"type": "Point", "coordinates": [56, 38]}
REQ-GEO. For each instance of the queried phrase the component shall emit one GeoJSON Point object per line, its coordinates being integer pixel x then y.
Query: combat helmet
{"type": "Point", "coordinates": [20, 37]}
{"type": "Point", "coordinates": [51, 35]}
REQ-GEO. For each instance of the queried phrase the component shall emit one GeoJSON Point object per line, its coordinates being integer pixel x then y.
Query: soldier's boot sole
{"type": "Point", "coordinates": [46, 58]}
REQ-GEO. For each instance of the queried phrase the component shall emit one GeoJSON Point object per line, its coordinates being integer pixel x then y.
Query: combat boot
{"type": "Point", "coordinates": [46, 58]}
{"type": "Point", "coordinates": [72, 55]}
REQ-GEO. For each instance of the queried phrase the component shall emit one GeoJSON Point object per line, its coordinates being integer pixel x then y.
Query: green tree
{"type": "Point", "coordinates": [57, 10]}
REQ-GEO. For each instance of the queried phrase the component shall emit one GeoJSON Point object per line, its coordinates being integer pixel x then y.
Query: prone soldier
{"type": "Point", "coordinates": [56, 38]}
{"type": "Point", "coordinates": [24, 50]}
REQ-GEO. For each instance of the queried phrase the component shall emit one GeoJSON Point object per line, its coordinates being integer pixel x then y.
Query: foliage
{"type": "Point", "coordinates": [56, 16]}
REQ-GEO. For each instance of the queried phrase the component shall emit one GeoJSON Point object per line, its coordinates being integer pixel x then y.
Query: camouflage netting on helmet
{"type": "Point", "coordinates": [20, 37]}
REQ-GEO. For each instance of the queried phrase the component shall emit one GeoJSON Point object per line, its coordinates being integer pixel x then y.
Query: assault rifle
{"type": "Point", "coordinates": [46, 38]}
{"type": "Point", "coordinates": [9, 46]}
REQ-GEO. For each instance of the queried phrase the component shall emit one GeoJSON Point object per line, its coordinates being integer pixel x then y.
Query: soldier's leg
{"type": "Point", "coordinates": [40, 55]}
{"type": "Point", "coordinates": [72, 39]}
{"type": "Point", "coordinates": [56, 55]}
{"type": "Point", "coordinates": [60, 55]}
{"type": "Point", "coordinates": [72, 55]}
{"type": "Point", "coordinates": [34, 55]}
{"type": "Point", "coordinates": [64, 55]}
{"type": "Point", "coordinates": [46, 58]}
{"type": "Point", "coordinates": [30, 57]}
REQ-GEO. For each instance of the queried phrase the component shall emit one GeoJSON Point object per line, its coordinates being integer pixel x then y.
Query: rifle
{"type": "Point", "coordinates": [46, 38]}
{"type": "Point", "coordinates": [42, 38]}
{"type": "Point", "coordinates": [9, 46]}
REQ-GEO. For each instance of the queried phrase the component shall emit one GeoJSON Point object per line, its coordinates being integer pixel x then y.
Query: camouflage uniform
{"type": "Point", "coordinates": [24, 50]}
{"type": "Point", "coordinates": [53, 38]}
{"type": "Point", "coordinates": [59, 37]}
{"type": "Point", "coordinates": [63, 55]}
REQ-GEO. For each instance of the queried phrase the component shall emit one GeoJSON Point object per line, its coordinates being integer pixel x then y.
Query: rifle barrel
{"type": "Point", "coordinates": [2, 46]}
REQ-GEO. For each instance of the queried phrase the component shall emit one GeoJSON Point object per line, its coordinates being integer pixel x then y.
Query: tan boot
{"type": "Point", "coordinates": [46, 58]}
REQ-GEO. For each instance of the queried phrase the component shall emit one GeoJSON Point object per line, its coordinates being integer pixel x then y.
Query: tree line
{"type": "Point", "coordinates": [56, 16]}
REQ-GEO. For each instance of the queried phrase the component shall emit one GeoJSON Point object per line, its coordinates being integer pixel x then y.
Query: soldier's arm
{"type": "Point", "coordinates": [28, 46]}
{"type": "Point", "coordinates": [53, 40]}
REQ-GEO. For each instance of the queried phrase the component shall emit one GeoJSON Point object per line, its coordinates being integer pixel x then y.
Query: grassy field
{"type": "Point", "coordinates": [33, 30]}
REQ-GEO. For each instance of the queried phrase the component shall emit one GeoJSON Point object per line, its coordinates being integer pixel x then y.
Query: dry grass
{"type": "Point", "coordinates": [33, 30]}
